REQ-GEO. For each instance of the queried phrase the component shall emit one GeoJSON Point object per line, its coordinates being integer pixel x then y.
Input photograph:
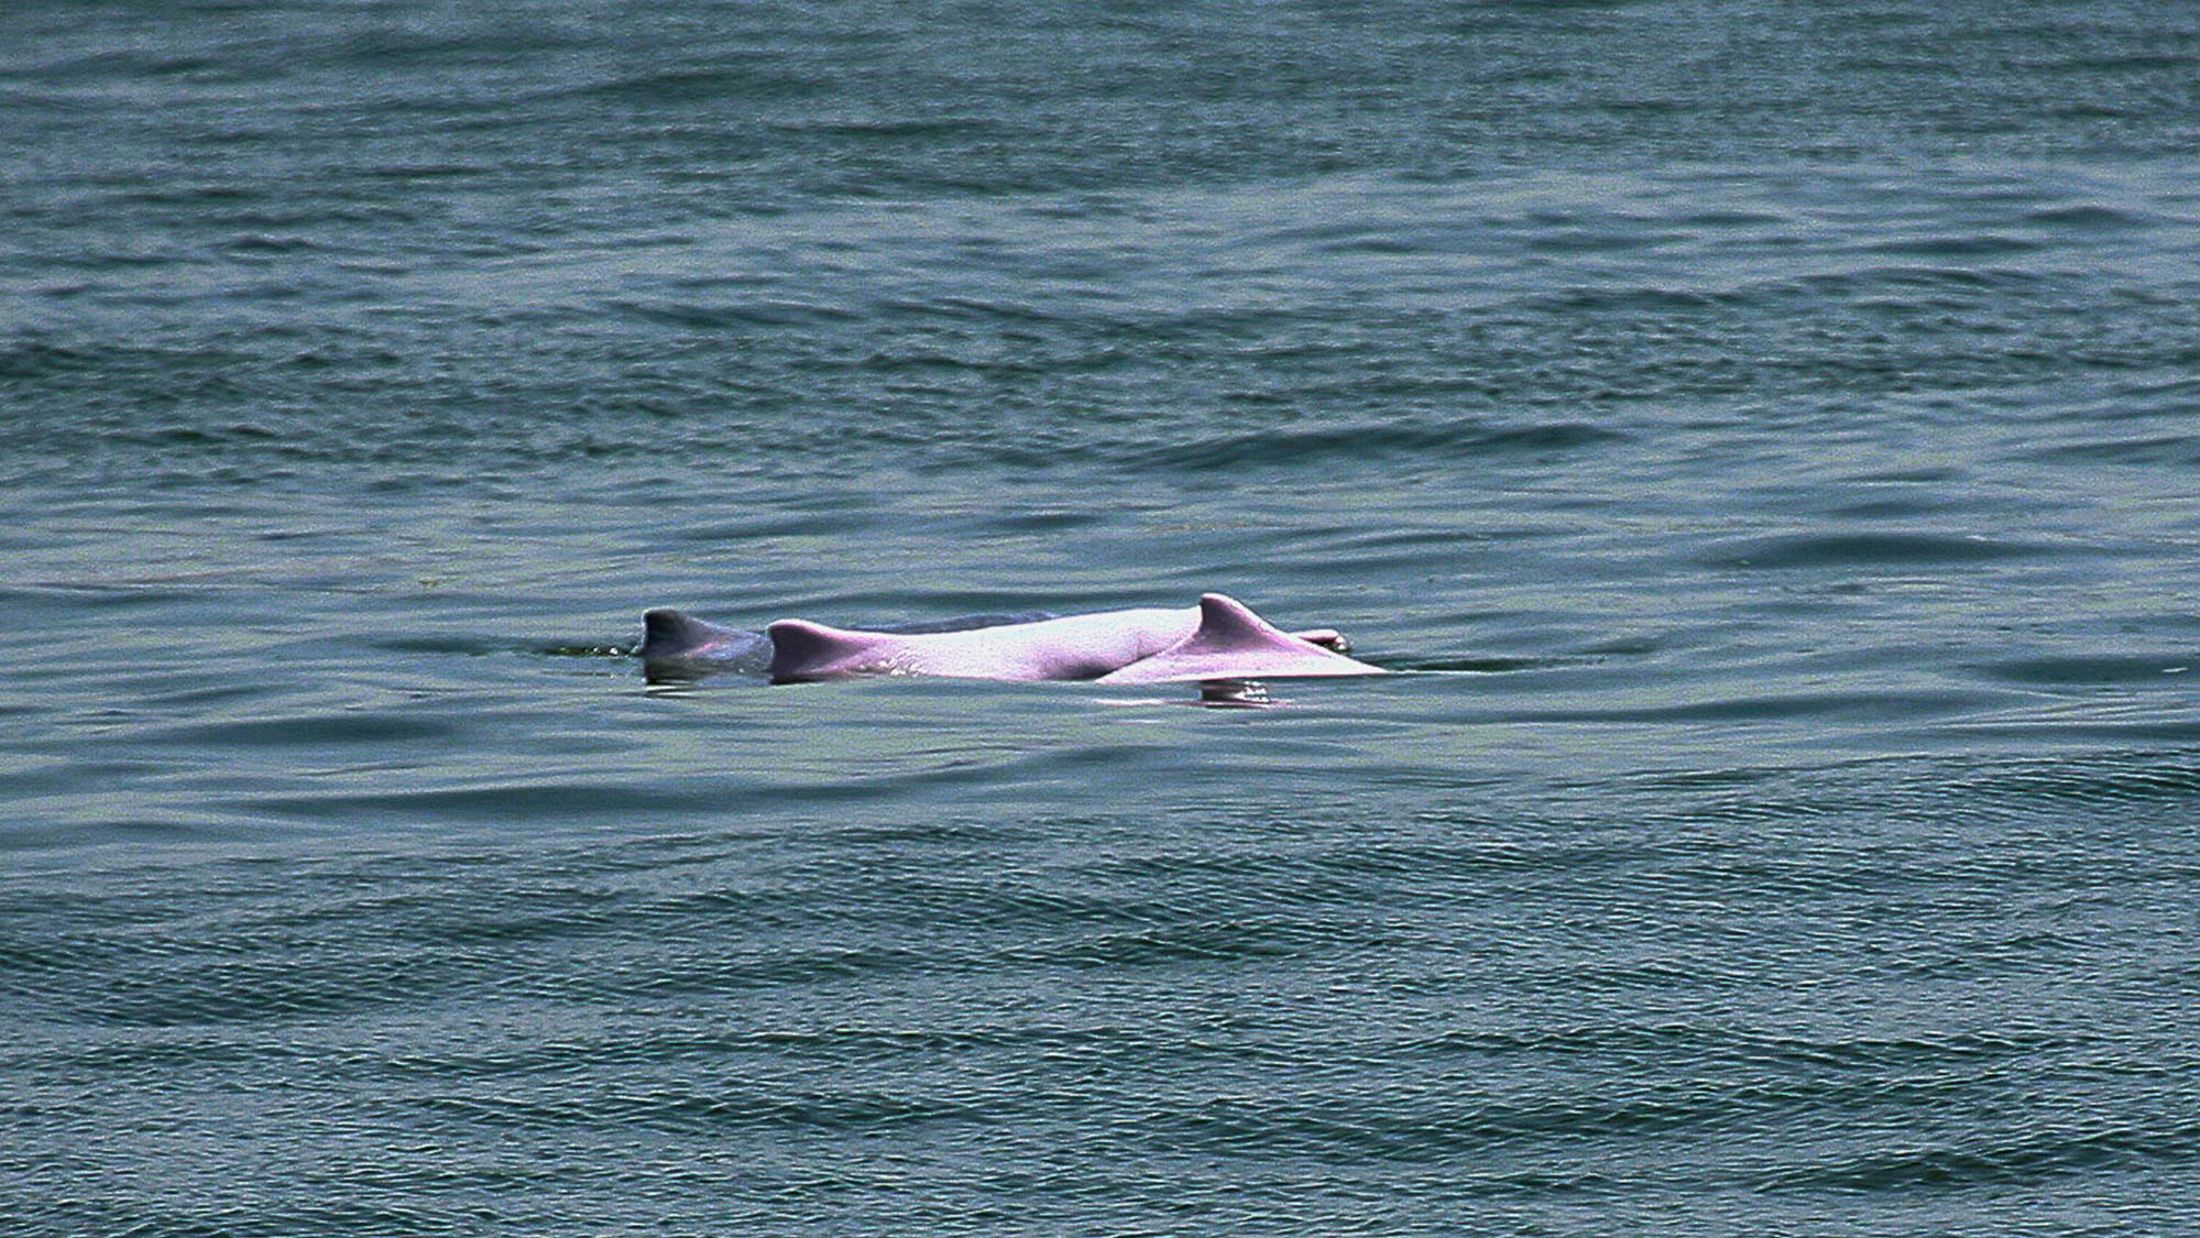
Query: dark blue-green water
{"type": "Point", "coordinates": [1764, 437]}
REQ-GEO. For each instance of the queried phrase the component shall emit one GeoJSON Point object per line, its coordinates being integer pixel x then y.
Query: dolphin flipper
{"type": "Point", "coordinates": [1328, 638]}
{"type": "Point", "coordinates": [1231, 642]}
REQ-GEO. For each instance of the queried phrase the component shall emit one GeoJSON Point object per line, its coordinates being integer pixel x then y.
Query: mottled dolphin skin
{"type": "Point", "coordinates": [1220, 639]}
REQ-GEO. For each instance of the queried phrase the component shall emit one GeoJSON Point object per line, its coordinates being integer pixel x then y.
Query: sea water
{"type": "Point", "coordinates": [1761, 437]}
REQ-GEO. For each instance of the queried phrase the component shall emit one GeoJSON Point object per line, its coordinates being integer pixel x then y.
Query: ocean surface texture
{"type": "Point", "coordinates": [1764, 439]}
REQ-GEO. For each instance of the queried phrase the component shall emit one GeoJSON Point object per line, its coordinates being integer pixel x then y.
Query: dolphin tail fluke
{"type": "Point", "coordinates": [1231, 642]}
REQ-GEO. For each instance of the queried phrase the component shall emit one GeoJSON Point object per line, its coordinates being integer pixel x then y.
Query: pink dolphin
{"type": "Point", "coordinates": [1220, 639]}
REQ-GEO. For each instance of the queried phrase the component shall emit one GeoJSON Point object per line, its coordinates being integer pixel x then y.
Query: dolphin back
{"type": "Point", "coordinates": [1233, 643]}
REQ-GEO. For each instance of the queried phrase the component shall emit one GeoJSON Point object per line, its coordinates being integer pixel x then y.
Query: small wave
{"type": "Point", "coordinates": [202, 436]}
{"type": "Point", "coordinates": [1891, 550]}
{"type": "Point", "coordinates": [2176, 450]}
{"type": "Point", "coordinates": [1878, 280]}
{"type": "Point", "coordinates": [761, 313]}
{"type": "Point", "coordinates": [2019, 1157]}
{"type": "Point", "coordinates": [1254, 449]}
{"type": "Point", "coordinates": [692, 84]}
{"type": "Point", "coordinates": [372, 729]}
{"type": "Point", "coordinates": [410, 172]}
{"type": "Point", "coordinates": [1430, 1133]}
{"type": "Point", "coordinates": [1985, 245]}
{"type": "Point", "coordinates": [1780, 707]}
{"type": "Point", "coordinates": [104, 596]}
{"type": "Point", "coordinates": [1652, 300]}
{"type": "Point", "coordinates": [495, 804]}
{"type": "Point", "coordinates": [900, 127]}
{"type": "Point", "coordinates": [438, 643]}
{"type": "Point", "coordinates": [1480, 666]}
{"type": "Point", "coordinates": [717, 1112]}
{"type": "Point", "coordinates": [2088, 218]}
{"type": "Point", "coordinates": [2143, 62]}
{"type": "Point", "coordinates": [2095, 670]}
{"type": "Point", "coordinates": [452, 45]}
{"type": "Point", "coordinates": [38, 359]}
{"type": "Point", "coordinates": [225, 195]}
{"type": "Point", "coordinates": [2123, 779]}
{"type": "Point", "coordinates": [267, 245]}
{"type": "Point", "coordinates": [780, 523]}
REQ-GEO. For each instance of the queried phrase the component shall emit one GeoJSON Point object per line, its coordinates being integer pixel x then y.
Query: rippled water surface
{"type": "Point", "coordinates": [1761, 437]}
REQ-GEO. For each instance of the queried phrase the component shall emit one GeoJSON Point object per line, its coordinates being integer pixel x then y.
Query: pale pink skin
{"type": "Point", "coordinates": [1218, 639]}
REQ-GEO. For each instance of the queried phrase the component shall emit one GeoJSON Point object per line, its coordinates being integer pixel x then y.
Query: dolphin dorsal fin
{"type": "Point", "coordinates": [1231, 642]}
{"type": "Point", "coordinates": [1225, 624]}
{"type": "Point", "coordinates": [803, 651]}
{"type": "Point", "coordinates": [668, 633]}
